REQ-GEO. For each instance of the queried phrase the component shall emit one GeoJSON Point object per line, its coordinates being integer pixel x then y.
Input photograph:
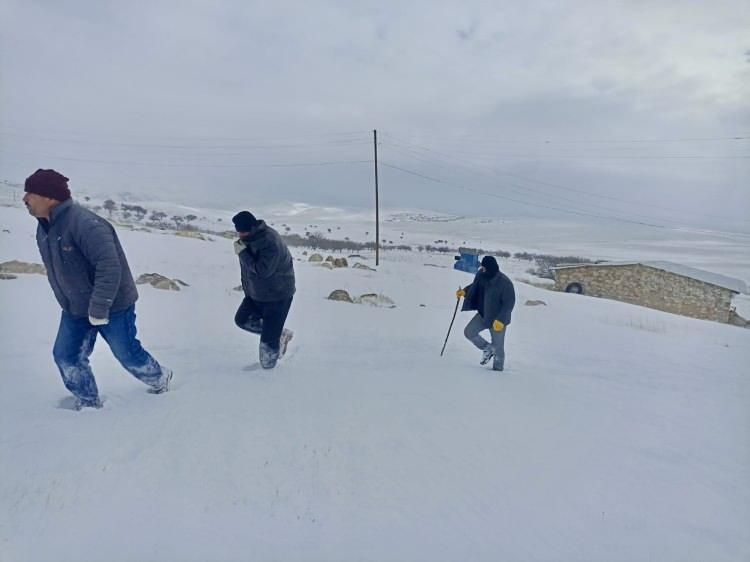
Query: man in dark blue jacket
{"type": "Point", "coordinates": [90, 277]}
{"type": "Point", "coordinates": [493, 297]}
{"type": "Point", "coordinates": [267, 271]}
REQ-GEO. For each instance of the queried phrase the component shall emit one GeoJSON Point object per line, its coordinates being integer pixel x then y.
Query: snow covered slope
{"type": "Point", "coordinates": [616, 432]}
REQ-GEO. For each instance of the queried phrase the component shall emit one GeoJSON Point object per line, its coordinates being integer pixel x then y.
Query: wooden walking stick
{"type": "Point", "coordinates": [455, 310]}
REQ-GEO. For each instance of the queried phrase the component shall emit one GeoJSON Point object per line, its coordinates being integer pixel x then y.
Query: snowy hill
{"type": "Point", "coordinates": [616, 432]}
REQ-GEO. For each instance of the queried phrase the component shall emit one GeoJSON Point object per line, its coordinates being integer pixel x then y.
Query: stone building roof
{"type": "Point", "coordinates": [736, 285]}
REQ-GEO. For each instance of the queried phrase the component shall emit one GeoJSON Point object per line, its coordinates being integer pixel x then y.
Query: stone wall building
{"type": "Point", "coordinates": [656, 284]}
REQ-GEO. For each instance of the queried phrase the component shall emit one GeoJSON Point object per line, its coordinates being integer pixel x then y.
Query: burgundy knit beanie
{"type": "Point", "coordinates": [48, 183]}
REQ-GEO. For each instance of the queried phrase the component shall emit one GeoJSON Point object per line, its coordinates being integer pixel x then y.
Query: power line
{"type": "Point", "coordinates": [328, 143]}
{"type": "Point", "coordinates": [524, 190]}
{"type": "Point", "coordinates": [569, 211]}
{"type": "Point", "coordinates": [581, 158]}
{"type": "Point", "coordinates": [588, 155]}
{"type": "Point", "coordinates": [495, 140]}
{"type": "Point", "coordinates": [498, 196]}
{"type": "Point", "coordinates": [197, 165]}
{"type": "Point", "coordinates": [185, 138]}
{"type": "Point", "coordinates": [493, 171]}
{"type": "Point", "coordinates": [647, 141]}
{"type": "Point", "coordinates": [457, 139]}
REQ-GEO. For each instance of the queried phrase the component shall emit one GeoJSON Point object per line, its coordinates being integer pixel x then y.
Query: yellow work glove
{"type": "Point", "coordinates": [460, 293]}
{"type": "Point", "coordinates": [498, 326]}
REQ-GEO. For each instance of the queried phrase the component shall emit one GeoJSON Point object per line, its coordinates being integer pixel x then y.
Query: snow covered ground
{"type": "Point", "coordinates": [616, 432]}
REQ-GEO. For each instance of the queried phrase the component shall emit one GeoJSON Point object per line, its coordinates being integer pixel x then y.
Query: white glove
{"type": "Point", "coordinates": [239, 245]}
{"type": "Point", "coordinates": [98, 321]}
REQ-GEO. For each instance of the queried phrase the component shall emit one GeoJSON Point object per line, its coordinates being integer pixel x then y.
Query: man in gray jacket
{"type": "Point", "coordinates": [493, 297]}
{"type": "Point", "coordinates": [267, 272]}
{"type": "Point", "coordinates": [90, 277]}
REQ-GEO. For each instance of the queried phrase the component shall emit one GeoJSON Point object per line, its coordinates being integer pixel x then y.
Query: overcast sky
{"type": "Point", "coordinates": [489, 108]}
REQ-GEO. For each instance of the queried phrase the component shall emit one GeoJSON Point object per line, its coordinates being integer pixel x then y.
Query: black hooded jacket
{"type": "Point", "coordinates": [266, 265]}
{"type": "Point", "coordinates": [493, 298]}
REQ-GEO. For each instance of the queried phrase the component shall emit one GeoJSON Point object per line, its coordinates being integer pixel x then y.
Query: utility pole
{"type": "Point", "coordinates": [377, 203]}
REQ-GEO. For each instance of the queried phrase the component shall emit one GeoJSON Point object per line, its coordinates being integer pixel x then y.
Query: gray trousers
{"type": "Point", "coordinates": [477, 325]}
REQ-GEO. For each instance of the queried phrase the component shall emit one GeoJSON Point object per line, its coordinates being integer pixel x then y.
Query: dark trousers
{"type": "Point", "coordinates": [264, 318]}
{"type": "Point", "coordinates": [75, 342]}
{"type": "Point", "coordinates": [477, 325]}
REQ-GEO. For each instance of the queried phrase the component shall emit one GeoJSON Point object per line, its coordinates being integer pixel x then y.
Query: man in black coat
{"type": "Point", "coordinates": [493, 297]}
{"type": "Point", "coordinates": [267, 272]}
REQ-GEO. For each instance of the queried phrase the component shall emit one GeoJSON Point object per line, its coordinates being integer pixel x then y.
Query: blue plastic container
{"type": "Point", "coordinates": [467, 261]}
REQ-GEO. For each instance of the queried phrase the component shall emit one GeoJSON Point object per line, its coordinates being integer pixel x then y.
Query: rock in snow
{"type": "Point", "coordinates": [160, 282]}
{"type": "Point", "coordinates": [16, 266]}
{"type": "Point", "coordinates": [340, 295]}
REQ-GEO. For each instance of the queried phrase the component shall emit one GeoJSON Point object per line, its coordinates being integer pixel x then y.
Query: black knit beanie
{"type": "Point", "coordinates": [490, 265]}
{"type": "Point", "coordinates": [244, 221]}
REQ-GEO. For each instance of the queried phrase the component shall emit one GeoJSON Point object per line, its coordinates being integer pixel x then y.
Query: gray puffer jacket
{"type": "Point", "coordinates": [86, 265]}
{"type": "Point", "coordinates": [266, 265]}
{"type": "Point", "coordinates": [498, 298]}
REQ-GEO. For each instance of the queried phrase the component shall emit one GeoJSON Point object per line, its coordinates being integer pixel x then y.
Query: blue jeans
{"type": "Point", "coordinates": [75, 342]}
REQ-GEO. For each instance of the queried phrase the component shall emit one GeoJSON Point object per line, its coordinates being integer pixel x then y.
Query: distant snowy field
{"type": "Point", "coordinates": [616, 432]}
{"type": "Point", "coordinates": [727, 254]}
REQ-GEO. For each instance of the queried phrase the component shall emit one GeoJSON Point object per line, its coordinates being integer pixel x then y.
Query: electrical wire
{"type": "Point", "coordinates": [495, 172]}
{"type": "Point", "coordinates": [550, 207]}
{"type": "Point", "coordinates": [198, 165]}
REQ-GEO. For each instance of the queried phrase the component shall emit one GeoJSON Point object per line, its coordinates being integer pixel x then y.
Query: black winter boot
{"type": "Point", "coordinates": [268, 356]}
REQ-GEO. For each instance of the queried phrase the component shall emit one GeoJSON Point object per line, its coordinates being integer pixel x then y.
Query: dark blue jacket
{"type": "Point", "coordinates": [266, 266]}
{"type": "Point", "coordinates": [86, 265]}
{"type": "Point", "coordinates": [496, 295]}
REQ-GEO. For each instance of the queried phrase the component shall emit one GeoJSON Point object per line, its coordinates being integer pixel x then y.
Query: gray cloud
{"type": "Point", "coordinates": [448, 76]}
